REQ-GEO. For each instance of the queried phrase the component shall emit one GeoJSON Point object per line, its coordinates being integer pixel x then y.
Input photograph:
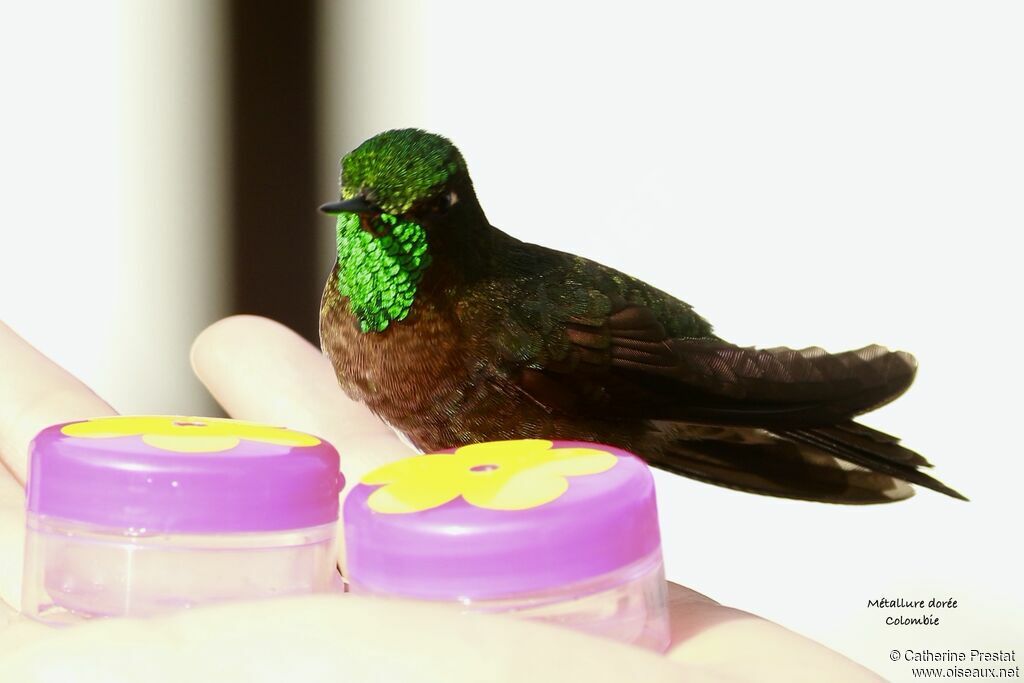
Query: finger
{"type": "Point", "coordinates": [690, 613]}
{"type": "Point", "coordinates": [336, 638]}
{"type": "Point", "coordinates": [12, 540]}
{"type": "Point", "coordinates": [35, 393]}
{"type": "Point", "coordinates": [737, 644]}
{"type": "Point", "coordinates": [260, 370]}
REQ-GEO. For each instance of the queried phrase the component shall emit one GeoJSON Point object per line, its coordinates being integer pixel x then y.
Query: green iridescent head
{"type": "Point", "coordinates": [400, 169]}
{"type": "Point", "coordinates": [399, 190]}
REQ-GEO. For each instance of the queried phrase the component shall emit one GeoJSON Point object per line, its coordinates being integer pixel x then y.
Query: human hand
{"type": "Point", "coordinates": [261, 371]}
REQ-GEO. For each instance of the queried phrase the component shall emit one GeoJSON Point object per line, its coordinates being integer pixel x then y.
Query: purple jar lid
{"type": "Point", "coordinates": [499, 519]}
{"type": "Point", "coordinates": [164, 474]}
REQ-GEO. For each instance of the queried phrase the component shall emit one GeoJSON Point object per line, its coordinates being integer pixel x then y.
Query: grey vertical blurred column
{"type": "Point", "coordinates": [272, 207]}
{"type": "Point", "coordinates": [157, 268]}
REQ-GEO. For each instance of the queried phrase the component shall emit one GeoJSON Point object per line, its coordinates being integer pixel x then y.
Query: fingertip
{"type": "Point", "coordinates": [228, 333]}
{"type": "Point", "coordinates": [260, 370]}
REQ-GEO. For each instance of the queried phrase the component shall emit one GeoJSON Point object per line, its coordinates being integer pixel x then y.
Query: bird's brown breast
{"type": "Point", "coordinates": [412, 373]}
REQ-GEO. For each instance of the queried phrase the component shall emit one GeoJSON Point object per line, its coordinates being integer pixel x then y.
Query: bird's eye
{"type": "Point", "coordinates": [448, 200]}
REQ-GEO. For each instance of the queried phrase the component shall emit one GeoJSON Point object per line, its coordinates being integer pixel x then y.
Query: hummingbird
{"type": "Point", "coordinates": [454, 332]}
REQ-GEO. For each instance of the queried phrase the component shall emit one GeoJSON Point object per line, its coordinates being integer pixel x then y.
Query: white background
{"type": "Point", "coordinates": [801, 172]}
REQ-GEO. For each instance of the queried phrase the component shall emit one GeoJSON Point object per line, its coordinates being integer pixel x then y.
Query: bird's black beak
{"type": "Point", "coordinates": [354, 205]}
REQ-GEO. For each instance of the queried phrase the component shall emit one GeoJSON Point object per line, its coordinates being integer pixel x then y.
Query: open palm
{"type": "Point", "coordinates": [258, 370]}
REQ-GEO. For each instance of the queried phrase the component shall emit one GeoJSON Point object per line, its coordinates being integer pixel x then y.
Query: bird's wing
{"type": "Point", "coordinates": [584, 339]}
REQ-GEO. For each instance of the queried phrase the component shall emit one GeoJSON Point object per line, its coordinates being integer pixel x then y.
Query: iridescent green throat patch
{"type": "Point", "coordinates": [379, 272]}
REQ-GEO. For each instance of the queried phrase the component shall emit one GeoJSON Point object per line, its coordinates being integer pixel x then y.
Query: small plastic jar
{"type": "Point", "coordinates": [562, 532]}
{"type": "Point", "coordinates": [132, 516]}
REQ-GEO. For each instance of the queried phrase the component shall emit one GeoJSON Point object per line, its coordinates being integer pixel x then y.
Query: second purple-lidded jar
{"type": "Point", "coordinates": [563, 532]}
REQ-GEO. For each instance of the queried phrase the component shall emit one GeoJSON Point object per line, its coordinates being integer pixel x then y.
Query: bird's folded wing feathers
{"type": "Point", "coordinates": [627, 365]}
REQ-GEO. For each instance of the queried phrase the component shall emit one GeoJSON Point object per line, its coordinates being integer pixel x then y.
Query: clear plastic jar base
{"type": "Point", "coordinates": [74, 572]}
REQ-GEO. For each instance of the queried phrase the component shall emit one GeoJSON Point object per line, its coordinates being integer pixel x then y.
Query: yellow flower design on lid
{"type": "Point", "coordinates": [187, 434]}
{"type": "Point", "coordinates": [501, 475]}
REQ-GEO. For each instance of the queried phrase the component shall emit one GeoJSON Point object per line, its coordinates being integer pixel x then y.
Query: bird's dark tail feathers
{"type": "Point", "coordinates": [872, 450]}
{"type": "Point", "coordinates": [847, 463]}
